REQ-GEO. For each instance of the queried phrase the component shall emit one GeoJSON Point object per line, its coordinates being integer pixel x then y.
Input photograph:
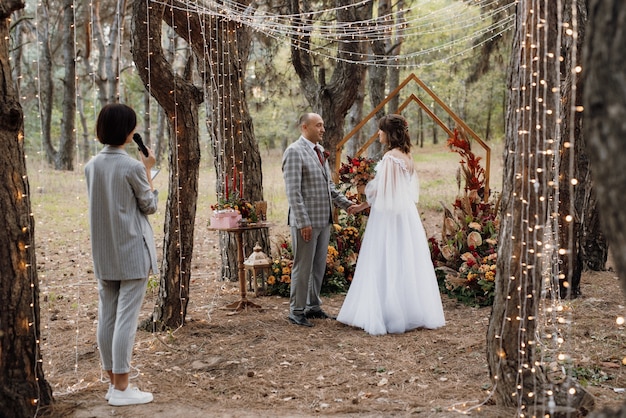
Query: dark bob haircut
{"type": "Point", "coordinates": [115, 122]}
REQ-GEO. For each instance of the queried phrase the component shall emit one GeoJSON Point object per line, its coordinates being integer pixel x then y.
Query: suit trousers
{"type": "Point", "coordinates": [309, 267]}
{"type": "Point", "coordinates": [118, 311]}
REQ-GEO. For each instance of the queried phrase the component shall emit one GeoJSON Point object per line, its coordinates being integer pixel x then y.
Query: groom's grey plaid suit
{"type": "Point", "coordinates": [311, 194]}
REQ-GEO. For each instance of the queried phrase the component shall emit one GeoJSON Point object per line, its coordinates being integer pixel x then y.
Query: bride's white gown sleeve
{"type": "Point", "coordinates": [394, 288]}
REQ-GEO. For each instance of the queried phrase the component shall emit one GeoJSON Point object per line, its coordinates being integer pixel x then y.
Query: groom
{"type": "Point", "coordinates": [311, 195]}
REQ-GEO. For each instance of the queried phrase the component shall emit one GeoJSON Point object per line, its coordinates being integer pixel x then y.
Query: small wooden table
{"type": "Point", "coordinates": [238, 231]}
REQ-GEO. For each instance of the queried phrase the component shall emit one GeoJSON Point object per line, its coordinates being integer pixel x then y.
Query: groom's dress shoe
{"type": "Point", "coordinates": [300, 320]}
{"type": "Point", "coordinates": [318, 315]}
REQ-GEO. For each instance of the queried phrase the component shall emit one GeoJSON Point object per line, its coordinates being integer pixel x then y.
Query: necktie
{"type": "Point", "coordinates": [319, 154]}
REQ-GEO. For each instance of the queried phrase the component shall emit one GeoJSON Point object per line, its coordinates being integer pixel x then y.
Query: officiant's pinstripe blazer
{"type": "Point", "coordinates": [122, 241]}
{"type": "Point", "coordinates": [309, 187]}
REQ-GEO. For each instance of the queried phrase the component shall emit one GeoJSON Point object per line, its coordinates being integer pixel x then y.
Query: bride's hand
{"type": "Point", "coordinates": [357, 208]}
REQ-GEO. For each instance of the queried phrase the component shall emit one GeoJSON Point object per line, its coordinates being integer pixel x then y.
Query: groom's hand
{"type": "Point", "coordinates": [306, 233]}
{"type": "Point", "coordinates": [357, 208]}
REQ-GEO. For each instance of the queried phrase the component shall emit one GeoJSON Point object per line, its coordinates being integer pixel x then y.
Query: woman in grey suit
{"type": "Point", "coordinates": [311, 195]}
{"type": "Point", "coordinates": [121, 196]}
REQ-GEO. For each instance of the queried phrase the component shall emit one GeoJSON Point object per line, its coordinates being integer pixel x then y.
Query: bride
{"type": "Point", "coordinates": [394, 288]}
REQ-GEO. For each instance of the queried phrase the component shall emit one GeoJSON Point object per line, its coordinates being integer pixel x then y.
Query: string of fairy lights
{"type": "Point", "coordinates": [467, 21]}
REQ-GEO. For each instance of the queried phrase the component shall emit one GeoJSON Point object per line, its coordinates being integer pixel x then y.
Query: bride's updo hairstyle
{"type": "Point", "coordinates": [397, 130]}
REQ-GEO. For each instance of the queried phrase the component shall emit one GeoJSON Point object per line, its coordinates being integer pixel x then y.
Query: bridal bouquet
{"type": "Point", "coordinates": [357, 172]}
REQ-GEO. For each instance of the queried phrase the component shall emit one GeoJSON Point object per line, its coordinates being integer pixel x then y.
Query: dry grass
{"type": "Point", "coordinates": [257, 364]}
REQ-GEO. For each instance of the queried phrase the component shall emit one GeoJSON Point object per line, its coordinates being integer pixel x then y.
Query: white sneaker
{"type": "Point", "coordinates": [109, 392]}
{"type": "Point", "coordinates": [130, 396]}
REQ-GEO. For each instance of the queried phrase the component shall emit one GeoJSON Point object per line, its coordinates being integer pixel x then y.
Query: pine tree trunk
{"type": "Point", "coordinates": [605, 113]}
{"type": "Point", "coordinates": [23, 388]}
{"type": "Point", "coordinates": [232, 133]}
{"type": "Point", "coordinates": [64, 157]}
{"type": "Point", "coordinates": [331, 99]}
{"type": "Point", "coordinates": [46, 86]}
{"type": "Point", "coordinates": [180, 99]}
{"type": "Point", "coordinates": [525, 218]}
{"type": "Point", "coordinates": [582, 236]}
{"type": "Point", "coordinates": [604, 129]}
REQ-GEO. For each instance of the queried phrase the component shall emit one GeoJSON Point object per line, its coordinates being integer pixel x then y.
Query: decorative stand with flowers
{"type": "Point", "coordinates": [234, 215]}
{"type": "Point", "coordinates": [465, 257]}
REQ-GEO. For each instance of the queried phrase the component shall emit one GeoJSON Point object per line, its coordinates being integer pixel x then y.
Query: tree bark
{"type": "Point", "coordinates": [180, 99]}
{"type": "Point", "coordinates": [332, 99]}
{"type": "Point", "coordinates": [592, 243]}
{"type": "Point", "coordinates": [515, 370]}
{"type": "Point", "coordinates": [18, 39]}
{"type": "Point", "coordinates": [64, 157]}
{"type": "Point", "coordinates": [377, 82]}
{"type": "Point", "coordinates": [232, 133]}
{"type": "Point", "coordinates": [604, 114]}
{"type": "Point", "coordinates": [604, 129]}
{"type": "Point", "coordinates": [23, 388]}
{"type": "Point", "coordinates": [111, 57]}
{"type": "Point", "coordinates": [46, 87]}
{"type": "Point", "coordinates": [582, 236]}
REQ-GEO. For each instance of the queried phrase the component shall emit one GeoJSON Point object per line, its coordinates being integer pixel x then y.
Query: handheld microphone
{"type": "Point", "coordinates": [142, 147]}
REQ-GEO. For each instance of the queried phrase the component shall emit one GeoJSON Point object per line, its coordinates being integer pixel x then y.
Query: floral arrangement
{"type": "Point", "coordinates": [343, 249]}
{"type": "Point", "coordinates": [279, 281]}
{"type": "Point", "coordinates": [473, 172]}
{"type": "Point", "coordinates": [235, 202]}
{"type": "Point", "coordinates": [357, 172]}
{"type": "Point", "coordinates": [465, 257]}
{"type": "Point", "coordinates": [233, 198]}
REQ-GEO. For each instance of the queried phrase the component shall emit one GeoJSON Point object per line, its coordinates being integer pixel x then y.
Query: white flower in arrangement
{"type": "Point", "coordinates": [474, 240]}
{"type": "Point", "coordinates": [475, 225]}
{"type": "Point", "coordinates": [491, 241]}
{"type": "Point", "coordinates": [468, 257]}
{"type": "Point", "coordinates": [447, 251]}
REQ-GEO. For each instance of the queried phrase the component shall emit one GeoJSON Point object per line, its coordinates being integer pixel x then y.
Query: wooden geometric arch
{"type": "Point", "coordinates": [413, 98]}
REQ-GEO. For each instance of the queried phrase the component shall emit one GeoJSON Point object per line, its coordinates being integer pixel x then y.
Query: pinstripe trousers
{"type": "Point", "coordinates": [118, 311]}
{"type": "Point", "coordinates": [309, 267]}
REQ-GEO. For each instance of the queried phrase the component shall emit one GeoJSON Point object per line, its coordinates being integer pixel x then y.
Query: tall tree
{"type": "Point", "coordinates": [232, 134]}
{"type": "Point", "coordinates": [580, 232]}
{"type": "Point", "coordinates": [330, 98]}
{"type": "Point", "coordinates": [221, 47]}
{"type": "Point", "coordinates": [377, 82]}
{"type": "Point", "coordinates": [108, 14]}
{"type": "Point", "coordinates": [23, 388]}
{"type": "Point", "coordinates": [64, 156]}
{"type": "Point", "coordinates": [46, 86]}
{"type": "Point", "coordinates": [604, 129]}
{"type": "Point", "coordinates": [527, 196]}
{"type": "Point", "coordinates": [180, 99]}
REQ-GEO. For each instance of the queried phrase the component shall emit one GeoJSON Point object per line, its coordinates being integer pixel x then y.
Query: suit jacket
{"type": "Point", "coordinates": [310, 190]}
{"type": "Point", "coordinates": [122, 241]}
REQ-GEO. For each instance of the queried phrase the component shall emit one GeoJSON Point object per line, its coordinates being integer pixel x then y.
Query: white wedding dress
{"type": "Point", "coordinates": [394, 288]}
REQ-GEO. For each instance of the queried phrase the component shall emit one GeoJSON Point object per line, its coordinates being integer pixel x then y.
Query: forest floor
{"type": "Point", "coordinates": [255, 363]}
